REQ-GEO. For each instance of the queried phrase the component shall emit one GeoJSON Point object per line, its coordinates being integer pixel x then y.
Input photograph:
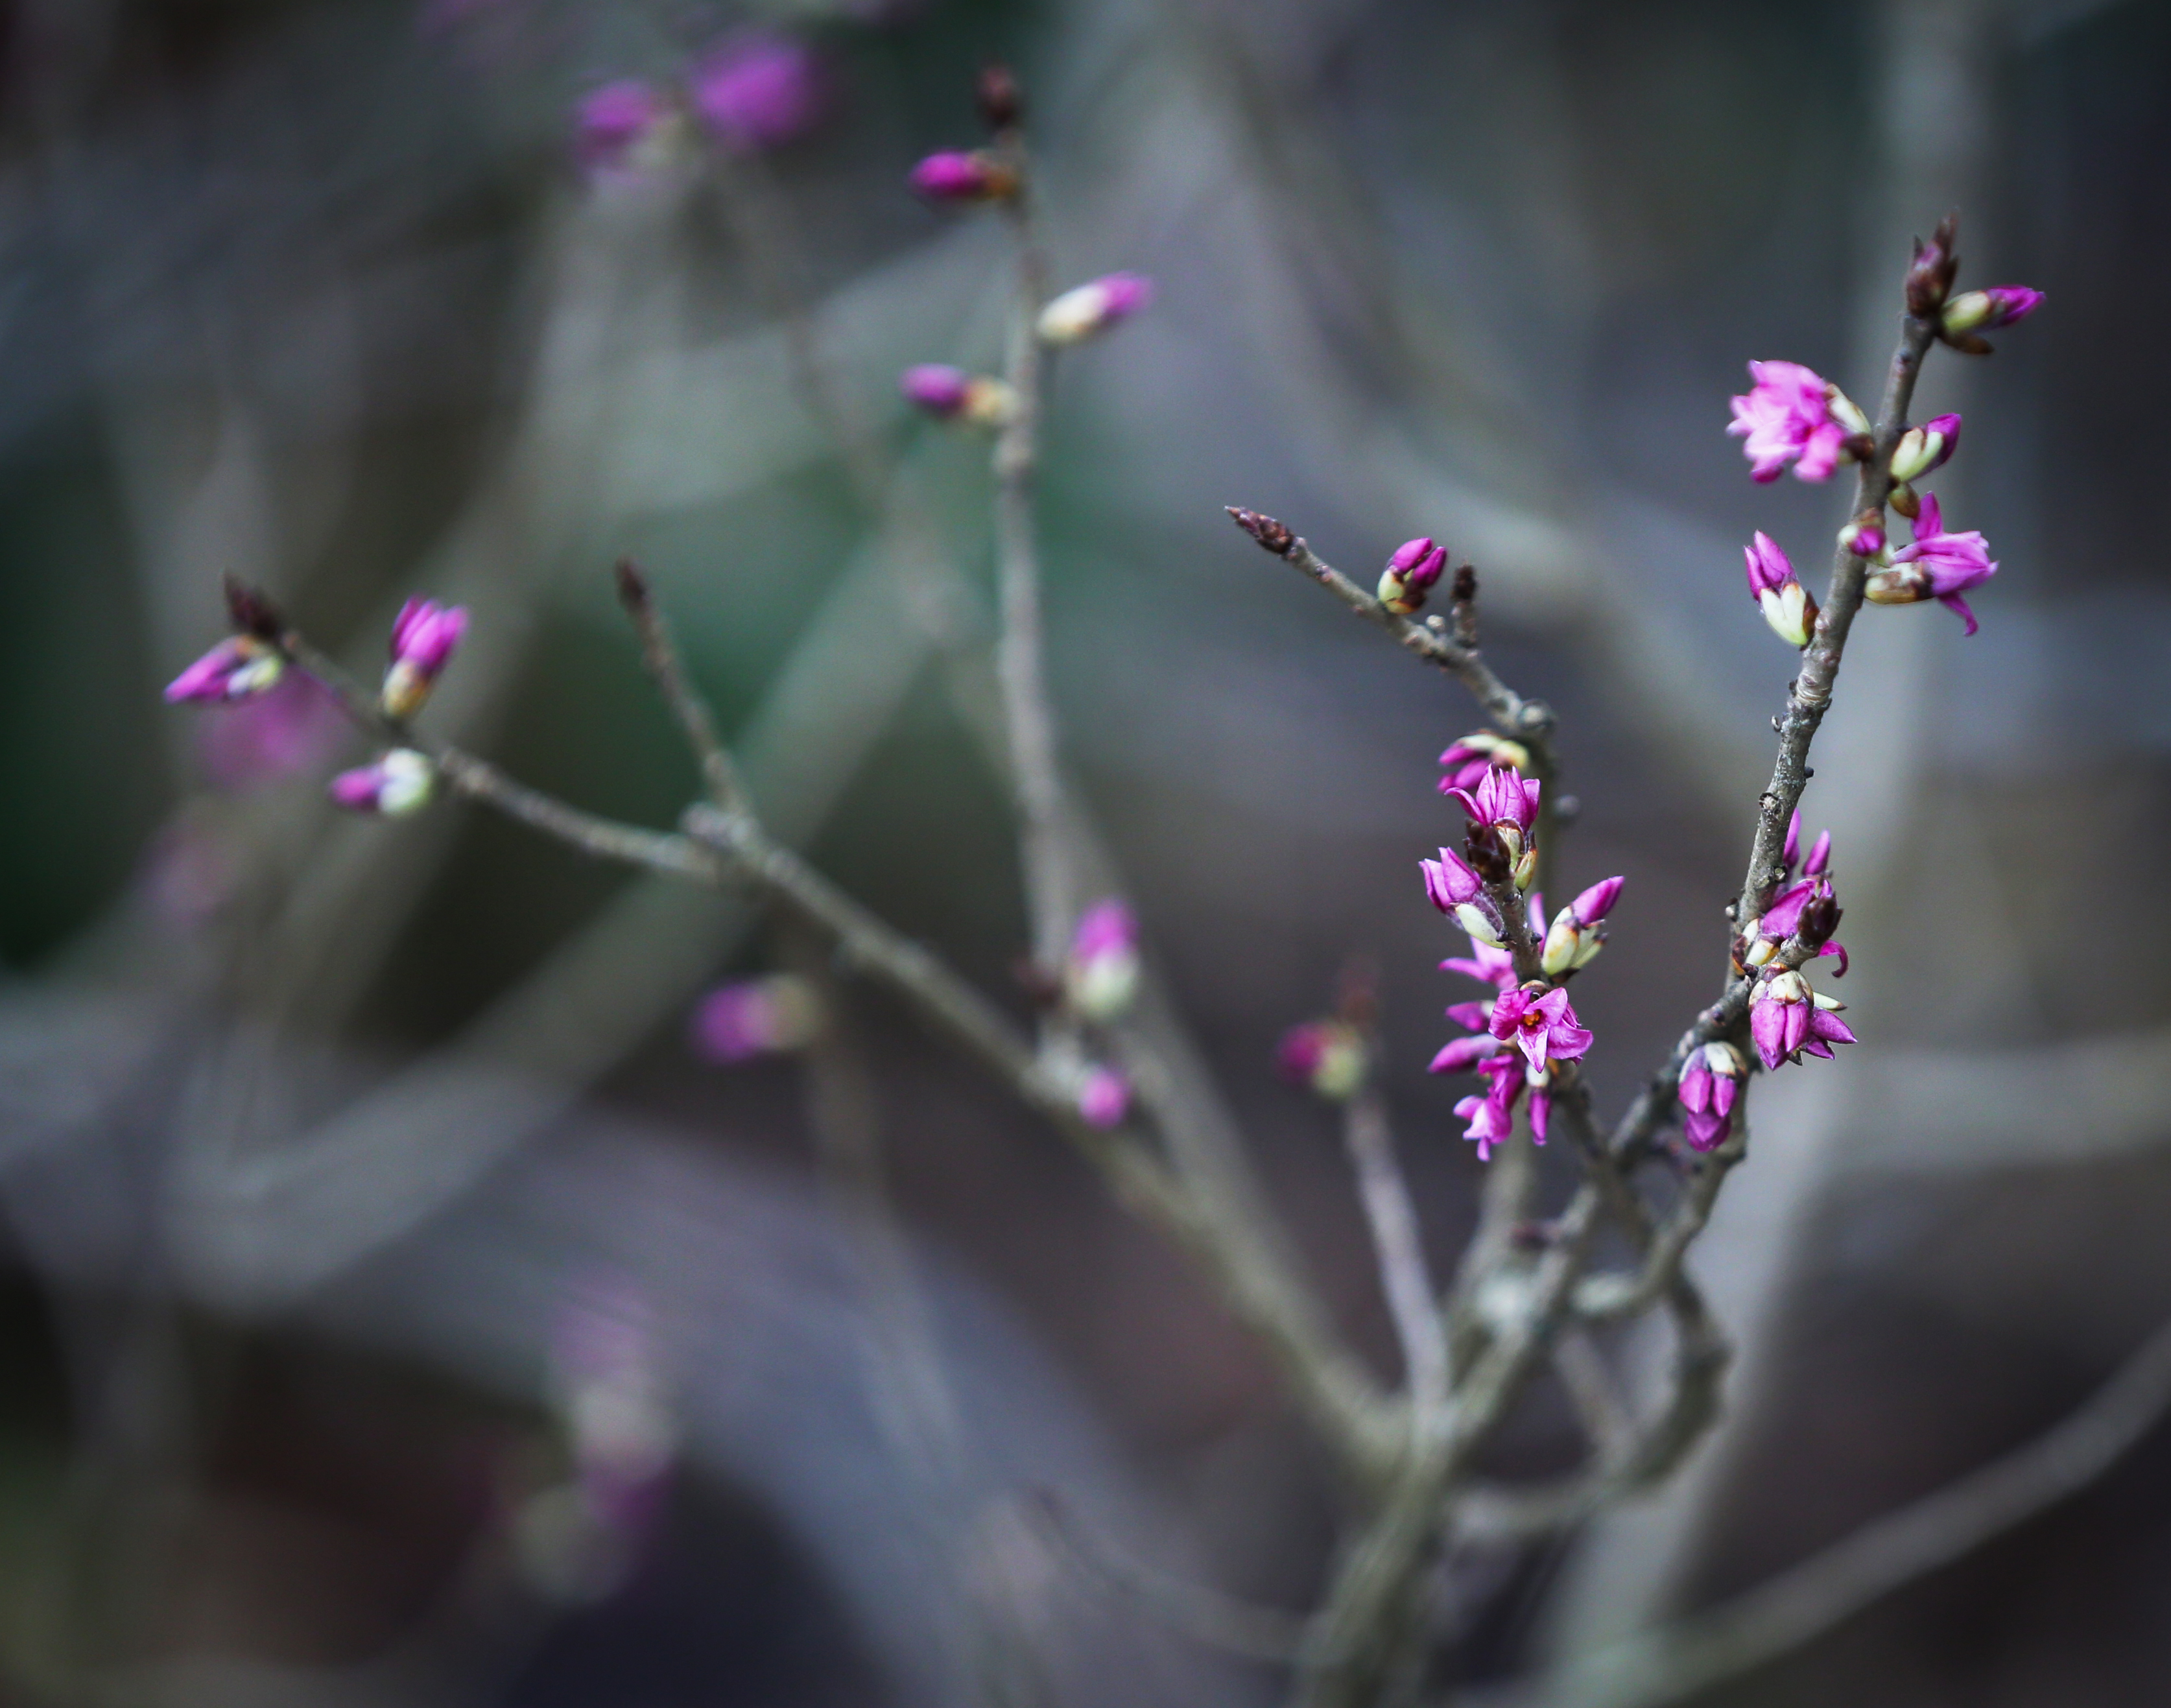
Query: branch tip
{"type": "Point", "coordinates": [632, 585]}
{"type": "Point", "coordinates": [252, 610]}
{"type": "Point", "coordinates": [1273, 536]}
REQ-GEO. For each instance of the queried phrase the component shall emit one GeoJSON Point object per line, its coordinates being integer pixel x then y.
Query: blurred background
{"type": "Point", "coordinates": [398, 1307]}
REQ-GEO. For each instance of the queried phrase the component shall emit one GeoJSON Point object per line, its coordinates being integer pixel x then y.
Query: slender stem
{"type": "Point", "coordinates": [1400, 1247]}
{"type": "Point", "coordinates": [660, 652]}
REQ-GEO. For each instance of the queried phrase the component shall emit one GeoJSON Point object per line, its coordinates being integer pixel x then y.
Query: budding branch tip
{"type": "Point", "coordinates": [632, 584]}
{"type": "Point", "coordinates": [1273, 536]}
{"type": "Point", "coordinates": [252, 610]}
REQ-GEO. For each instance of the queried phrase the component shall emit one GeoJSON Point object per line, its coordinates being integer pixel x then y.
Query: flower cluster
{"type": "Point", "coordinates": [755, 90]}
{"type": "Point", "coordinates": [1805, 907]}
{"type": "Point", "coordinates": [1710, 1084]}
{"type": "Point", "coordinates": [1793, 415]}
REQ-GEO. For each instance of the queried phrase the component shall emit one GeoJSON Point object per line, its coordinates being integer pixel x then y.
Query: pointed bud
{"type": "Point", "coordinates": [1450, 880]}
{"type": "Point", "coordinates": [239, 667]}
{"type": "Point", "coordinates": [1985, 311]}
{"type": "Point", "coordinates": [424, 637]}
{"type": "Point", "coordinates": [958, 176]}
{"type": "Point", "coordinates": [1930, 276]}
{"type": "Point", "coordinates": [1273, 536]}
{"type": "Point", "coordinates": [1923, 448]}
{"type": "Point", "coordinates": [399, 783]}
{"type": "Point", "coordinates": [1907, 500]}
{"type": "Point", "coordinates": [1790, 612]}
{"type": "Point", "coordinates": [951, 394]}
{"type": "Point", "coordinates": [1819, 855]}
{"type": "Point", "coordinates": [1847, 412]}
{"type": "Point", "coordinates": [1078, 313]}
{"type": "Point", "coordinates": [1415, 567]}
{"type": "Point", "coordinates": [1595, 902]}
{"type": "Point", "coordinates": [1526, 868]}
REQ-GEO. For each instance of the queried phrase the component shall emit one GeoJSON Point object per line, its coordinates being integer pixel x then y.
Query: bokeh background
{"type": "Point", "coordinates": [355, 1173]}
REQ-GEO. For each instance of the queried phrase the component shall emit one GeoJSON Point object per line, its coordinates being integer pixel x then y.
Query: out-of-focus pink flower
{"type": "Point", "coordinates": [424, 637]}
{"type": "Point", "coordinates": [959, 176]}
{"type": "Point", "coordinates": [1710, 1084]}
{"type": "Point", "coordinates": [239, 668]}
{"type": "Point", "coordinates": [1576, 934]}
{"type": "Point", "coordinates": [625, 128]}
{"type": "Point", "coordinates": [1412, 570]}
{"type": "Point", "coordinates": [1469, 758]}
{"type": "Point", "coordinates": [1540, 1023]}
{"type": "Point", "coordinates": [1923, 448]}
{"type": "Point", "coordinates": [951, 394]}
{"type": "Point", "coordinates": [1936, 565]}
{"type": "Point", "coordinates": [1086, 309]}
{"type": "Point", "coordinates": [1787, 1020]}
{"type": "Point", "coordinates": [756, 1017]}
{"type": "Point", "coordinates": [1101, 975]}
{"type": "Point", "coordinates": [1327, 1056]}
{"type": "Point", "coordinates": [1985, 311]}
{"type": "Point", "coordinates": [398, 783]}
{"type": "Point", "coordinates": [1789, 415]}
{"type": "Point", "coordinates": [760, 89]}
{"type": "Point", "coordinates": [1104, 1097]}
{"type": "Point", "coordinates": [294, 727]}
{"type": "Point", "coordinates": [1779, 595]}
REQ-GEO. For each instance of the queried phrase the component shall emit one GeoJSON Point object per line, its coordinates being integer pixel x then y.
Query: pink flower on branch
{"type": "Point", "coordinates": [398, 783]}
{"type": "Point", "coordinates": [1467, 760]}
{"type": "Point", "coordinates": [1093, 308]}
{"type": "Point", "coordinates": [424, 637]}
{"type": "Point", "coordinates": [1413, 569]}
{"type": "Point", "coordinates": [1710, 1084]}
{"type": "Point", "coordinates": [1540, 1023]}
{"type": "Point", "coordinates": [1576, 935]}
{"type": "Point", "coordinates": [1793, 415]}
{"type": "Point", "coordinates": [956, 175]}
{"type": "Point", "coordinates": [1785, 602]}
{"type": "Point", "coordinates": [1453, 886]}
{"type": "Point", "coordinates": [1985, 311]}
{"type": "Point", "coordinates": [1937, 565]}
{"type": "Point", "coordinates": [1787, 1020]}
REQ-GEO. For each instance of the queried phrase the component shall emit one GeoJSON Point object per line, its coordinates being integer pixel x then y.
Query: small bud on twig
{"type": "Point", "coordinates": [1936, 264]}
{"type": "Point", "coordinates": [1000, 100]}
{"type": "Point", "coordinates": [1462, 599]}
{"type": "Point", "coordinates": [252, 610]}
{"type": "Point", "coordinates": [1274, 536]}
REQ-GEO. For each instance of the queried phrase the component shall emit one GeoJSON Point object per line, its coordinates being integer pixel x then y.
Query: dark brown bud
{"type": "Point", "coordinates": [1041, 987]}
{"type": "Point", "coordinates": [1465, 587]}
{"type": "Point", "coordinates": [1001, 101]}
{"type": "Point", "coordinates": [632, 585]}
{"type": "Point", "coordinates": [1820, 919]}
{"type": "Point", "coordinates": [1488, 854]}
{"type": "Point", "coordinates": [1463, 602]}
{"type": "Point", "coordinates": [1275, 537]}
{"type": "Point", "coordinates": [1936, 264]}
{"type": "Point", "coordinates": [252, 611]}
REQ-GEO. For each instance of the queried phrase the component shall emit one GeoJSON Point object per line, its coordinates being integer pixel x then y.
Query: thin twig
{"type": "Point", "coordinates": [1400, 1247]}
{"type": "Point", "coordinates": [660, 652]}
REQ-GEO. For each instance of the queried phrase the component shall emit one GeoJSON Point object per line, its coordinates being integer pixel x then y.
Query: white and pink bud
{"type": "Point", "coordinates": [951, 394]}
{"type": "Point", "coordinates": [398, 783]}
{"type": "Point", "coordinates": [1104, 1097]}
{"type": "Point", "coordinates": [1577, 934]}
{"type": "Point", "coordinates": [1082, 312]}
{"type": "Point", "coordinates": [1865, 535]}
{"type": "Point", "coordinates": [1780, 596]}
{"type": "Point", "coordinates": [239, 667]}
{"type": "Point", "coordinates": [1710, 1086]}
{"type": "Point", "coordinates": [755, 1017]}
{"type": "Point", "coordinates": [1410, 574]}
{"type": "Point", "coordinates": [1470, 756]}
{"type": "Point", "coordinates": [1101, 975]}
{"type": "Point", "coordinates": [1985, 311]}
{"type": "Point", "coordinates": [424, 637]}
{"type": "Point", "coordinates": [1923, 448]}
{"type": "Point", "coordinates": [1327, 1056]}
{"type": "Point", "coordinates": [959, 176]}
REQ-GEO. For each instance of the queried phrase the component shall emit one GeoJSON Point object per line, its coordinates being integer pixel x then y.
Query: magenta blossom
{"type": "Point", "coordinates": [760, 89]}
{"type": "Point", "coordinates": [1793, 415]}
{"type": "Point", "coordinates": [1460, 1055]}
{"type": "Point", "coordinates": [756, 1017]}
{"type": "Point", "coordinates": [1779, 595]}
{"type": "Point", "coordinates": [1101, 975]}
{"type": "Point", "coordinates": [1413, 569]}
{"type": "Point", "coordinates": [1488, 963]}
{"type": "Point", "coordinates": [1491, 1116]}
{"type": "Point", "coordinates": [1540, 1023]}
{"type": "Point", "coordinates": [1938, 566]}
{"type": "Point", "coordinates": [957, 176]}
{"type": "Point", "coordinates": [1710, 1084]}
{"type": "Point", "coordinates": [623, 128]}
{"type": "Point", "coordinates": [1504, 799]}
{"type": "Point", "coordinates": [424, 637]}
{"type": "Point", "coordinates": [1788, 1020]}
{"type": "Point", "coordinates": [1104, 1097]}
{"type": "Point", "coordinates": [397, 784]}
{"type": "Point", "coordinates": [239, 668]}
{"type": "Point", "coordinates": [1469, 758]}
{"type": "Point", "coordinates": [1094, 306]}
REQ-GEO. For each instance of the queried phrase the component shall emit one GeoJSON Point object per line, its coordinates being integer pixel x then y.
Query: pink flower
{"type": "Point", "coordinates": [1503, 799]}
{"type": "Point", "coordinates": [1101, 975]}
{"type": "Point", "coordinates": [424, 637]}
{"type": "Point", "coordinates": [957, 176]}
{"type": "Point", "coordinates": [756, 1017]}
{"type": "Point", "coordinates": [1710, 1084]}
{"type": "Point", "coordinates": [1788, 416]}
{"type": "Point", "coordinates": [1491, 1116]}
{"type": "Point", "coordinates": [1938, 566]}
{"type": "Point", "coordinates": [1413, 569]}
{"type": "Point", "coordinates": [1489, 963]}
{"type": "Point", "coordinates": [1468, 759]}
{"type": "Point", "coordinates": [1784, 601]}
{"type": "Point", "coordinates": [1104, 1097]}
{"type": "Point", "coordinates": [1460, 1054]}
{"type": "Point", "coordinates": [239, 668]}
{"type": "Point", "coordinates": [1540, 1023]}
{"type": "Point", "coordinates": [1576, 935]}
{"type": "Point", "coordinates": [760, 89]}
{"type": "Point", "coordinates": [1092, 307]}
{"type": "Point", "coordinates": [623, 128]}
{"type": "Point", "coordinates": [1329, 1056]}
{"type": "Point", "coordinates": [950, 393]}
{"type": "Point", "coordinates": [399, 782]}
{"type": "Point", "coordinates": [1787, 1020]}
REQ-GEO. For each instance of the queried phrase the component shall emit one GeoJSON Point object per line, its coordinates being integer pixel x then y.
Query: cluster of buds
{"type": "Point", "coordinates": [1806, 908]}
{"type": "Point", "coordinates": [1778, 592]}
{"type": "Point", "coordinates": [1793, 415]}
{"type": "Point", "coordinates": [1710, 1085]}
{"type": "Point", "coordinates": [1086, 310]}
{"type": "Point", "coordinates": [1787, 1020]}
{"type": "Point", "coordinates": [1453, 886]}
{"type": "Point", "coordinates": [756, 1017]}
{"type": "Point", "coordinates": [1328, 1056]}
{"type": "Point", "coordinates": [1467, 761]}
{"type": "Point", "coordinates": [951, 394]}
{"type": "Point", "coordinates": [1935, 565]}
{"type": "Point", "coordinates": [1572, 940]}
{"type": "Point", "coordinates": [1503, 809]}
{"type": "Point", "coordinates": [1959, 318]}
{"type": "Point", "coordinates": [424, 637]}
{"type": "Point", "coordinates": [756, 90]}
{"type": "Point", "coordinates": [1410, 573]}
{"type": "Point", "coordinates": [1101, 973]}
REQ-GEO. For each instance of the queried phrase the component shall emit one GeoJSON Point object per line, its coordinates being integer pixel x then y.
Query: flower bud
{"type": "Point", "coordinates": [1471, 756]}
{"type": "Point", "coordinates": [959, 176]}
{"type": "Point", "coordinates": [424, 637]}
{"type": "Point", "coordinates": [1845, 410]}
{"type": "Point", "coordinates": [1710, 1083]}
{"type": "Point", "coordinates": [399, 783]}
{"type": "Point", "coordinates": [1327, 1056]}
{"type": "Point", "coordinates": [1865, 535]}
{"type": "Point", "coordinates": [626, 129]}
{"type": "Point", "coordinates": [1450, 880]}
{"type": "Point", "coordinates": [1100, 976]}
{"type": "Point", "coordinates": [1415, 567]}
{"type": "Point", "coordinates": [239, 667]}
{"type": "Point", "coordinates": [1481, 920]}
{"type": "Point", "coordinates": [756, 1017]}
{"type": "Point", "coordinates": [951, 394]}
{"type": "Point", "coordinates": [1078, 313]}
{"type": "Point", "coordinates": [1785, 602]}
{"type": "Point", "coordinates": [1930, 276]}
{"type": "Point", "coordinates": [1983, 311]}
{"type": "Point", "coordinates": [1104, 1097]}
{"type": "Point", "coordinates": [1902, 584]}
{"type": "Point", "coordinates": [1526, 867]}
{"type": "Point", "coordinates": [1907, 500]}
{"type": "Point", "coordinates": [1923, 448]}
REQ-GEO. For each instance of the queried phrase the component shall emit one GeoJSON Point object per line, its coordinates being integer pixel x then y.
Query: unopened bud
{"type": "Point", "coordinates": [1327, 1056]}
{"type": "Point", "coordinates": [1846, 411]}
{"type": "Point", "coordinates": [1000, 100]}
{"type": "Point", "coordinates": [1907, 500]}
{"type": "Point", "coordinates": [1791, 612]}
{"type": "Point", "coordinates": [1078, 313]}
{"type": "Point", "coordinates": [1415, 567]}
{"type": "Point", "coordinates": [1923, 448]}
{"type": "Point", "coordinates": [958, 176]}
{"type": "Point", "coordinates": [2002, 305]}
{"type": "Point", "coordinates": [1902, 584]}
{"type": "Point", "coordinates": [399, 783]}
{"type": "Point", "coordinates": [1482, 921]}
{"type": "Point", "coordinates": [1930, 276]}
{"type": "Point", "coordinates": [1865, 535]}
{"type": "Point", "coordinates": [1820, 918]}
{"type": "Point", "coordinates": [951, 394]}
{"type": "Point", "coordinates": [1273, 536]}
{"type": "Point", "coordinates": [1526, 868]}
